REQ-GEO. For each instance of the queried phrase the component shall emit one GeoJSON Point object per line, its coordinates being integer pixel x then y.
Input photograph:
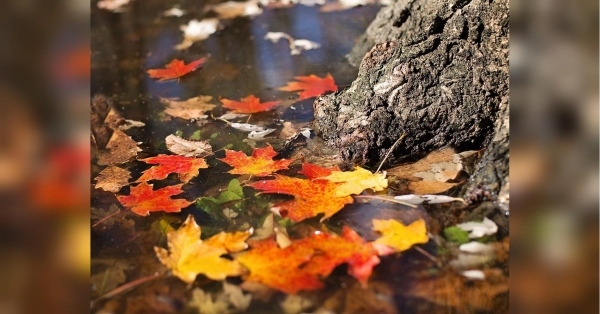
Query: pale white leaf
{"type": "Point", "coordinates": [479, 229]}
{"type": "Point", "coordinates": [473, 274]}
{"type": "Point", "coordinates": [233, 9]}
{"type": "Point", "coordinates": [260, 134]}
{"type": "Point", "coordinates": [230, 213]}
{"type": "Point", "coordinates": [246, 127]}
{"type": "Point", "coordinates": [427, 199]}
{"type": "Point", "coordinates": [174, 11]}
{"type": "Point", "coordinates": [197, 31]}
{"type": "Point", "coordinates": [187, 148]}
{"type": "Point", "coordinates": [231, 116]}
{"type": "Point", "coordinates": [236, 297]}
{"type": "Point", "coordinates": [476, 248]}
{"type": "Point", "coordinates": [131, 124]}
{"type": "Point", "coordinates": [112, 5]}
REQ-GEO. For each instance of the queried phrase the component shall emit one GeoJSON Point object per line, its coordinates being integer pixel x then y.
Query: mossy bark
{"type": "Point", "coordinates": [436, 71]}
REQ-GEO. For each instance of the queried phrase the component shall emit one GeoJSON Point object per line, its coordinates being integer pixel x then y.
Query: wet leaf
{"type": "Point", "coordinates": [120, 149]}
{"type": "Point", "coordinates": [197, 31]}
{"type": "Point", "coordinates": [107, 218]}
{"type": "Point", "coordinates": [230, 300]}
{"type": "Point", "coordinates": [296, 45]}
{"type": "Point", "coordinates": [260, 164]}
{"type": "Point", "coordinates": [354, 298]}
{"type": "Point", "coordinates": [354, 182]}
{"type": "Point", "coordinates": [189, 256]}
{"type": "Point", "coordinates": [112, 179]}
{"type": "Point", "coordinates": [110, 274]}
{"type": "Point", "coordinates": [128, 124]}
{"type": "Point", "coordinates": [206, 304]}
{"type": "Point", "coordinates": [250, 104]}
{"type": "Point", "coordinates": [175, 69]}
{"type": "Point", "coordinates": [193, 108]}
{"type": "Point", "coordinates": [143, 199]}
{"type": "Point", "coordinates": [113, 5]}
{"type": "Point", "coordinates": [479, 229]}
{"type": "Point", "coordinates": [260, 134]}
{"type": "Point", "coordinates": [232, 9]}
{"type": "Point", "coordinates": [398, 236]}
{"type": "Point", "coordinates": [435, 173]}
{"type": "Point", "coordinates": [247, 127]}
{"type": "Point", "coordinates": [427, 199]}
{"type": "Point", "coordinates": [185, 167]}
{"type": "Point", "coordinates": [311, 86]}
{"type": "Point", "coordinates": [312, 197]}
{"type": "Point", "coordinates": [457, 235]}
{"type": "Point", "coordinates": [279, 268]}
{"type": "Point", "coordinates": [188, 148]}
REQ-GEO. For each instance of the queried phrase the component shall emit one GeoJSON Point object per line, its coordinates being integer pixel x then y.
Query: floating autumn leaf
{"type": "Point", "coordinates": [175, 69]}
{"type": "Point", "coordinates": [142, 199]}
{"type": "Point", "coordinates": [260, 164]}
{"type": "Point", "coordinates": [312, 197]}
{"type": "Point", "coordinates": [250, 104]}
{"type": "Point", "coordinates": [188, 148]}
{"type": "Point", "coordinates": [354, 182]}
{"type": "Point", "coordinates": [189, 256]}
{"type": "Point", "coordinates": [398, 236]}
{"type": "Point", "coordinates": [232, 9]}
{"type": "Point", "coordinates": [311, 86]}
{"type": "Point", "coordinates": [120, 149]}
{"type": "Point", "coordinates": [436, 173]}
{"type": "Point", "coordinates": [185, 167]}
{"type": "Point", "coordinates": [112, 179]}
{"type": "Point", "coordinates": [279, 268]}
{"type": "Point", "coordinates": [193, 108]}
{"type": "Point", "coordinates": [296, 45]}
{"type": "Point", "coordinates": [301, 264]}
{"type": "Point", "coordinates": [196, 31]}
{"type": "Point", "coordinates": [334, 250]}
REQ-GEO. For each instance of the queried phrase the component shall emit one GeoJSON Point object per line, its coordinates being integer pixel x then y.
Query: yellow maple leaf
{"type": "Point", "coordinates": [189, 256]}
{"type": "Point", "coordinates": [398, 236]}
{"type": "Point", "coordinates": [354, 182]}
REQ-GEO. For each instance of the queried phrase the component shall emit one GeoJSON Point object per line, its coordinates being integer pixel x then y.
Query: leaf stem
{"type": "Point", "coordinates": [390, 151]}
{"type": "Point", "coordinates": [127, 286]}
{"type": "Point", "coordinates": [386, 199]}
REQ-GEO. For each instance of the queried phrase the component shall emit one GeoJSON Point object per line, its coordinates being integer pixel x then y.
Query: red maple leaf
{"type": "Point", "coordinates": [142, 199]}
{"type": "Point", "coordinates": [311, 86]}
{"type": "Point", "coordinates": [260, 164]}
{"type": "Point", "coordinates": [175, 69]}
{"type": "Point", "coordinates": [312, 197]}
{"type": "Point", "coordinates": [250, 104]}
{"type": "Point", "coordinates": [185, 167]}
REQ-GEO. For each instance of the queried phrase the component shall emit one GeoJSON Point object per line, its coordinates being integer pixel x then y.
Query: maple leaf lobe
{"type": "Point", "coordinates": [250, 104]}
{"type": "Point", "coordinates": [311, 86]}
{"type": "Point", "coordinates": [142, 199]}
{"type": "Point", "coordinates": [175, 69]}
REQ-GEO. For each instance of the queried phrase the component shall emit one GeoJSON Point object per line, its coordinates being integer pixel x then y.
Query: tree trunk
{"type": "Point", "coordinates": [436, 71]}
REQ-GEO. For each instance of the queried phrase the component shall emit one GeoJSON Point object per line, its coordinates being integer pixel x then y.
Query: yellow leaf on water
{"type": "Point", "coordinates": [398, 236]}
{"type": "Point", "coordinates": [354, 182]}
{"type": "Point", "coordinates": [189, 256]}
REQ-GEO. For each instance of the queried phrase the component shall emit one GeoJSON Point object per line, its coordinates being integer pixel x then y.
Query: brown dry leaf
{"type": "Point", "coordinates": [112, 179]}
{"type": "Point", "coordinates": [317, 153]}
{"type": "Point", "coordinates": [193, 108]}
{"type": "Point", "coordinates": [188, 148]}
{"type": "Point", "coordinates": [288, 131]}
{"type": "Point", "coordinates": [107, 274]}
{"type": "Point", "coordinates": [430, 174]}
{"type": "Point", "coordinates": [377, 298]}
{"type": "Point", "coordinates": [100, 108]}
{"type": "Point", "coordinates": [232, 9]}
{"type": "Point", "coordinates": [120, 149]}
{"type": "Point", "coordinates": [451, 289]}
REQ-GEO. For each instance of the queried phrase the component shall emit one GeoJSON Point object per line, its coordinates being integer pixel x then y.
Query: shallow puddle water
{"type": "Point", "coordinates": [128, 277]}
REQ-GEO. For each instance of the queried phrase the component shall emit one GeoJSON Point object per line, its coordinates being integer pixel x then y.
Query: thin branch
{"type": "Point", "coordinates": [390, 151]}
{"type": "Point", "coordinates": [127, 286]}
{"type": "Point", "coordinates": [386, 199]}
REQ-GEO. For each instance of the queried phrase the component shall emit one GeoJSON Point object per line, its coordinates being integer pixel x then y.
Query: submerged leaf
{"type": "Point", "coordinates": [354, 182]}
{"type": "Point", "coordinates": [175, 69]}
{"type": "Point", "coordinates": [193, 108]}
{"type": "Point", "coordinates": [398, 236]}
{"type": "Point", "coordinates": [112, 179]}
{"type": "Point", "coordinates": [120, 149]}
{"type": "Point", "coordinates": [260, 164]}
{"type": "Point", "coordinates": [311, 86]}
{"type": "Point", "coordinates": [143, 199]}
{"type": "Point", "coordinates": [187, 148]}
{"type": "Point", "coordinates": [189, 256]}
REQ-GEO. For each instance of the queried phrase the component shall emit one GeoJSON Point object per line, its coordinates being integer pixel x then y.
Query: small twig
{"type": "Point", "coordinates": [248, 120]}
{"type": "Point", "coordinates": [386, 199]}
{"type": "Point", "coordinates": [103, 219]}
{"type": "Point", "coordinates": [431, 257]}
{"type": "Point", "coordinates": [390, 151]}
{"type": "Point", "coordinates": [127, 286]}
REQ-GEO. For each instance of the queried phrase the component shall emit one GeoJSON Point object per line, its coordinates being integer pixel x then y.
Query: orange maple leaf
{"type": "Point", "coordinates": [260, 164]}
{"type": "Point", "coordinates": [333, 250]}
{"type": "Point", "coordinates": [312, 197]}
{"type": "Point", "coordinates": [302, 264]}
{"type": "Point", "coordinates": [175, 69]}
{"type": "Point", "coordinates": [185, 167]}
{"type": "Point", "coordinates": [311, 86]}
{"type": "Point", "coordinates": [250, 104]}
{"type": "Point", "coordinates": [279, 268]}
{"type": "Point", "coordinates": [142, 199]}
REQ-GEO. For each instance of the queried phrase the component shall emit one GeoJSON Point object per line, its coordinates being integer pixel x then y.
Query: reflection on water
{"type": "Point", "coordinates": [240, 63]}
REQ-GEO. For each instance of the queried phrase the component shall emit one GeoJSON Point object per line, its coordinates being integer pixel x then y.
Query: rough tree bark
{"type": "Point", "coordinates": [437, 71]}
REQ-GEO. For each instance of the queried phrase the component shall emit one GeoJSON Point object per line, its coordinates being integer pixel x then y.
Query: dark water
{"type": "Point", "coordinates": [240, 63]}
